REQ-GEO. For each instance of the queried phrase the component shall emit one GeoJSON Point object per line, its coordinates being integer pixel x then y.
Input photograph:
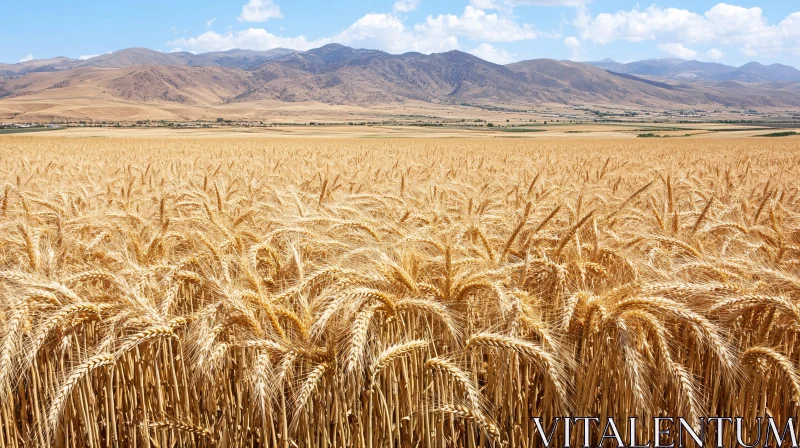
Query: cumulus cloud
{"type": "Point", "coordinates": [440, 33]}
{"type": "Point", "coordinates": [405, 5]}
{"type": "Point", "coordinates": [210, 22]}
{"type": "Point", "coordinates": [678, 51]}
{"type": "Point", "coordinates": [251, 39]}
{"type": "Point", "coordinates": [715, 54]}
{"type": "Point", "coordinates": [791, 25]}
{"type": "Point", "coordinates": [27, 58]}
{"type": "Point", "coordinates": [476, 24]}
{"type": "Point", "coordinates": [382, 31]}
{"type": "Point", "coordinates": [724, 24]}
{"type": "Point", "coordinates": [575, 48]}
{"type": "Point", "coordinates": [510, 4]}
{"type": "Point", "coordinates": [387, 32]}
{"type": "Point", "coordinates": [260, 11]}
{"type": "Point", "coordinates": [636, 25]}
{"type": "Point", "coordinates": [492, 54]}
{"type": "Point", "coordinates": [87, 56]}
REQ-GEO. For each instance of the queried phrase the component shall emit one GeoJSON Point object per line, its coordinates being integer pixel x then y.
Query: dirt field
{"type": "Point", "coordinates": [558, 131]}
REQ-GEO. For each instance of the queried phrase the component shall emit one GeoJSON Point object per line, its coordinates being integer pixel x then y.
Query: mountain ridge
{"type": "Point", "coordinates": [339, 75]}
{"type": "Point", "coordinates": [244, 59]}
{"type": "Point", "coordinates": [673, 68]}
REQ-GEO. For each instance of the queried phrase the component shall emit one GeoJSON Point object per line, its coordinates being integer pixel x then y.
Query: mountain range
{"type": "Point", "coordinates": [243, 59]}
{"type": "Point", "coordinates": [707, 71]}
{"type": "Point", "coordinates": [339, 75]}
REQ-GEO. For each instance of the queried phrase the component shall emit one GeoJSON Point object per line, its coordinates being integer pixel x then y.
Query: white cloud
{"type": "Point", "coordinates": [510, 4]}
{"type": "Point", "coordinates": [715, 54]}
{"type": "Point", "coordinates": [484, 4]}
{"type": "Point", "coordinates": [210, 22]}
{"type": "Point", "coordinates": [26, 58]}
{"type": "Point", "coordinates": [381, 31]}
{"type": "Point", "coordinates": [387, 32]}
{"type": "Point", "coordinates": [637, 26]}
{"type": "Point", "coordinates": [492, 54]}
{"type": "Point", "coordinates": [87, 56]}
{"type": "Point", "coordinates": [791, 25]}
{"type": "Point", "coordinates": [724, 24]}
{"type": "Point", "coordinates": [678, 51]}
{"type": "Point", "coordinates": [575, 48]}
{"type": "Point", "coordinates": [405, 5]}
{"type": "Point", "coordinates": [476, 24]}
{"type": "Point", "coordinates": [260, 11]}
{"type": "Point", "coordinates": [252, 39]}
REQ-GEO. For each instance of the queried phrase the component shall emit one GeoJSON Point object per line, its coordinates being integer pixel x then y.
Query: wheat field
{"type": "Point", "coordinates": [407, 292]}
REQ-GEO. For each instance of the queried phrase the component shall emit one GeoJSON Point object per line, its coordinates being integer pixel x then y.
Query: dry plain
{"type": "Point", "coordinates": [210, 288]}
{"type": "Point", "coordinates": [502, 130]}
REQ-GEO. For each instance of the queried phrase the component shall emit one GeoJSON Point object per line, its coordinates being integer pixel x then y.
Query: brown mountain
{"type": "Point", "coordinates": [580, 83]}
{"type": "Point", "coordinates": [338, 75]}
{"type": "Point", "coordinates": [706, 71]}
{"type": "Point", "coordinates": [193, 85]}
{"type": "Point", "coordinates": [133, 56]}
{"type": "Point", "coordinates": [577, 82]}
{"type": "Point", "coordinates": [38, 65]}
{"type": "Point", "coordinates": [244, 59]}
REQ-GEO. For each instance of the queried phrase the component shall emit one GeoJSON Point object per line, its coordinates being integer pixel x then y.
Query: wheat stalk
{"type": "Point", "coordinates": [88, 366]}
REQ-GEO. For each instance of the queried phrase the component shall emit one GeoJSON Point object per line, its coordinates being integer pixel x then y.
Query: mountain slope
{"type": "Point", "coordinates": [132, 56]}
{"type": "Point", "coordinates": [338, 74]}
{"type": "Point", "coordinates": [755, 72]}
{"type": "Point", "coordinates": [38, 65]}
{"type": "Point", "coordinates": [191, 85]}
{"type": "Point", "coordinates": [707, 71]}
{"type": "Point", "coordinates": [241, 59]}
{"type": "Point", "coordinates": [578, 82]}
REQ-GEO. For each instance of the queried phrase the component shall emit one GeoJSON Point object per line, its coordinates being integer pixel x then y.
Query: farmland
{"type": "Point", "coordinates": [304, 292]}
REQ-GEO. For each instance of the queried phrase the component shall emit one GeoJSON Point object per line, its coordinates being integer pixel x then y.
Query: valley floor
{"type": "Point", "coordinates": [640, 131]}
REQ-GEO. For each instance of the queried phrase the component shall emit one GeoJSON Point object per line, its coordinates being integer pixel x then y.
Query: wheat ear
{"type": "Point", "coordinates": [93, 363]}
{"type": "Point", "coordinates": [781, 362]}
{"type": "Point", "coordinates": [393, 353]}
{"type": "Point", "coordinates": [469, 414]}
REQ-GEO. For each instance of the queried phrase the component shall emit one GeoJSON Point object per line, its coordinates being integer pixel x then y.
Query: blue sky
{"type": "Point", "coordinates": [499, 30]}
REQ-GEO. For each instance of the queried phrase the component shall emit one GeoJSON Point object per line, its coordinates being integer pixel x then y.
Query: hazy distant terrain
{"type": "Point", "coordinates": [244, 59]}
{"type": "Point", "coordinates": [706, 71]}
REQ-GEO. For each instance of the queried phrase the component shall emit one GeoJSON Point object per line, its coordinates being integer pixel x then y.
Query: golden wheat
{"type": "Point", "coordinates": [304, 293]}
